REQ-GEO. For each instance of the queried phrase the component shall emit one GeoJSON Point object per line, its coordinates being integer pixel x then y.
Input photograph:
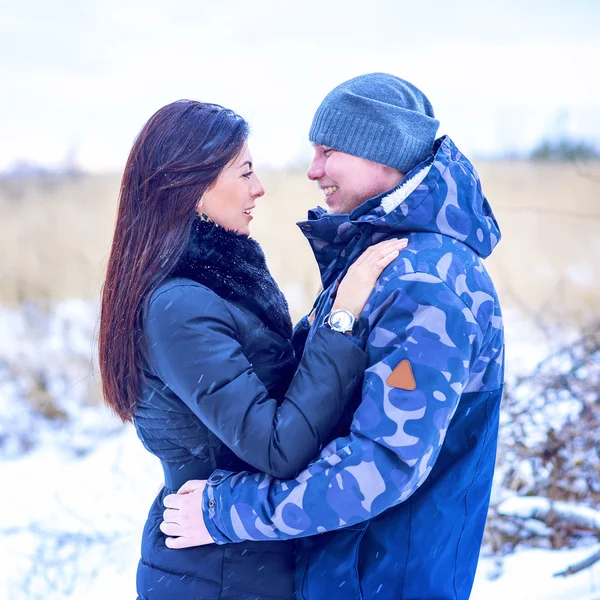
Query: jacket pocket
{"type": "Point", "coordinates": [331, 568]}
{"type": "Point", "coordinates": [258, 573]}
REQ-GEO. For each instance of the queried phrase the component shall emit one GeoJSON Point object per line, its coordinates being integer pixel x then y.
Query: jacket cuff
{"type": "Point", "coordinates": [302, 326]}
{"type": "Point", "coordinates": [299, 336]}
{"type": "Point", "coordinates": [360, 343]}
{"type": "Point", "coordinates": [212, 507]}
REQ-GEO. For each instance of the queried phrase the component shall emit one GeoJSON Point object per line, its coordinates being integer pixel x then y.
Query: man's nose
{"type": "Point", "coordinates": [316, 170]}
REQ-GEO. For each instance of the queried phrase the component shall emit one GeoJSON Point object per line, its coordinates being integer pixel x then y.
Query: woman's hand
{"type": "Point", "coordinates": [183, 520]}
{"type": "Point", "coordinates": [358, 283]}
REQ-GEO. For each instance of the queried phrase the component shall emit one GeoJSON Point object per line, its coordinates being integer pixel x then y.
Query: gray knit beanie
{"type": "Point", "coordinates": [379, 117]}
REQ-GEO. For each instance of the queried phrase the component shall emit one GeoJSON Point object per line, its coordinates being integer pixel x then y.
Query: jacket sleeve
{"type": "Point", "coordinates": [424, 334]}
{"type": "Point", "coordinates": [194, 348]}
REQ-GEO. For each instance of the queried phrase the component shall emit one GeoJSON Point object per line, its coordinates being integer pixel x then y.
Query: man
{"type": "Point", "coordinates": [395, 507]}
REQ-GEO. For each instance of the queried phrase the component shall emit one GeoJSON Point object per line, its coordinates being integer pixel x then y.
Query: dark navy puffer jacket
{"type": "Point", "coordinates": [223, 390]}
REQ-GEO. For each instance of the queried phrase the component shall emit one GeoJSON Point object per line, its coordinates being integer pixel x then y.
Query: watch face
{"type": "Point", "coordinates": [341, 321]}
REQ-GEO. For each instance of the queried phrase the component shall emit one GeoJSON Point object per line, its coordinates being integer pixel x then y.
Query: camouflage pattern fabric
{"type": "Point", "coordinates": [433, 334]}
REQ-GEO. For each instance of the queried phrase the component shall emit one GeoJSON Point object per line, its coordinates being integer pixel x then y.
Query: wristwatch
{"type": "Point", "coordinates": [341, 320]}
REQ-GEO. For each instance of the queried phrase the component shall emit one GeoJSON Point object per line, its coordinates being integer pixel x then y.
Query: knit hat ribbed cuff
{"type": "Point", "coordinates": [358, 136]}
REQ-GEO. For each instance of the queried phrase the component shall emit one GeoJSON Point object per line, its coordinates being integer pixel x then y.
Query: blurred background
{"type": "Point", "coordinates": [517, 87]}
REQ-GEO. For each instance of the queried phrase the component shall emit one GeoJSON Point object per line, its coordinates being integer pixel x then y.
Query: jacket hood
{"type": "Point", "coordinates": [442, 195]}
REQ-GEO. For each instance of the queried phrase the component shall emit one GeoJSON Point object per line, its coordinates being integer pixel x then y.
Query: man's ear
{"type": "Point", "coordinates": [394, 173]}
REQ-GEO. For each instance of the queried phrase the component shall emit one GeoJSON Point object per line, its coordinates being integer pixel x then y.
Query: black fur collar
{"type": "Point", "coordinates": [234, 267]}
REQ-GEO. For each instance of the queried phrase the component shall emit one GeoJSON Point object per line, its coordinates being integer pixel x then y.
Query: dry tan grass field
{"type": "Point", "coordinates": [55, 236]}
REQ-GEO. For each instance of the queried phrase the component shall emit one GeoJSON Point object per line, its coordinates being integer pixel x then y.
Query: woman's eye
{"type": "Point", "coordinates": [327, 152]}
{"type": "Point", "coordinates": [247, 175]}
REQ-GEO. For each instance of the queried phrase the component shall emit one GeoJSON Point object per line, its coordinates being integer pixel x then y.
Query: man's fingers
{"type": "Point", "coordinates": [171, 515]}
{"type": "Point", "coordinates": [173, 501]}
{"type": "Point", "coordinates": [191, 486]}
{"type": "Point", "coordinates": [172, 529]}
{"type": "Point", "coordinates": [176, 543]}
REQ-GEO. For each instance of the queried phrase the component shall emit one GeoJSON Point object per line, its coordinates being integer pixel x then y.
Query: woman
{"type": "Point", "coordinates": [196, 344]}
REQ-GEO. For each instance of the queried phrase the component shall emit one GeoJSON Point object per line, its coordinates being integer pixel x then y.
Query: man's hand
{"type": "Point", "coordinates": [183, 521]}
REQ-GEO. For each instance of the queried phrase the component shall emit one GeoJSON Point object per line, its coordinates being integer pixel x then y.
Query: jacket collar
{"type": "Point", "coordinates": [234, 267]}
{"type": "Point", "coordinates": [442, 195]}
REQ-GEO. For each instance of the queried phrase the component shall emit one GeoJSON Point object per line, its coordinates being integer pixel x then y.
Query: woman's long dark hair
{"type": "Point", "coordinates": [176, 157]}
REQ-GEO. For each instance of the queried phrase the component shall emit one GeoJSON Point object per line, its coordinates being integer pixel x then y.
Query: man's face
{"type": "Point", "coordinates": [347, 180]}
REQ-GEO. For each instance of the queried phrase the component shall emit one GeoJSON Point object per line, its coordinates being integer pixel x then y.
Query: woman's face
{"type": "Point", "coordinates": [231, 199]}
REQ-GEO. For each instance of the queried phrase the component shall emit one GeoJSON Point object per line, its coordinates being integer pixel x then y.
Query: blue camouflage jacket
{"type": "Point", "coordinates": [396, 504]}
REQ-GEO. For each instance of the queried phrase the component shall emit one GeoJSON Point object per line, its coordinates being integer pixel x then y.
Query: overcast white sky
{"type": "Point", "coordinates": [86, 75]}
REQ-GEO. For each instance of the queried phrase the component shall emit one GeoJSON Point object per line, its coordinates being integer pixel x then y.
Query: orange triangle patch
{"type": "Point", "coordinates": [402, 377]}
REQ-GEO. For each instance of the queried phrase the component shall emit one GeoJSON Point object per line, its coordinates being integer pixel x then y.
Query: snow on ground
{"type": "Point", "coordinates": [536, 507]}
{"type": "Point", "coordinates": [101, 500]}
{"type": "Point", "coordinates": [82, 516]}
{"type": "Point", "coordinates": [528, 575]}
{"type": "Point", "coordinates": [47, 367]}
{"type": "Point", "coordinates": [77, 490]}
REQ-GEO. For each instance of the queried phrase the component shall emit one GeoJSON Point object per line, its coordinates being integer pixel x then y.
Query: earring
{"type": "Point", "coordinates": [203, 216]}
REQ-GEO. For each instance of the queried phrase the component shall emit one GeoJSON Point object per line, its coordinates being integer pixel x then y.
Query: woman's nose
{"type": "Point", "coordinates": [258, 190]}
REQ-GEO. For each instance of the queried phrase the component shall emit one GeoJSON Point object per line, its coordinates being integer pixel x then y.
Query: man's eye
{"type": "Point", "coordinates": [247, 175]}
{"type": "Point", "coordinates": [327, 152]}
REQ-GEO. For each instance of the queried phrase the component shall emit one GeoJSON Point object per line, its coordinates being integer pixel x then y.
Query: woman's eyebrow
{"type": "Point", "coordinates": [248, 162]}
